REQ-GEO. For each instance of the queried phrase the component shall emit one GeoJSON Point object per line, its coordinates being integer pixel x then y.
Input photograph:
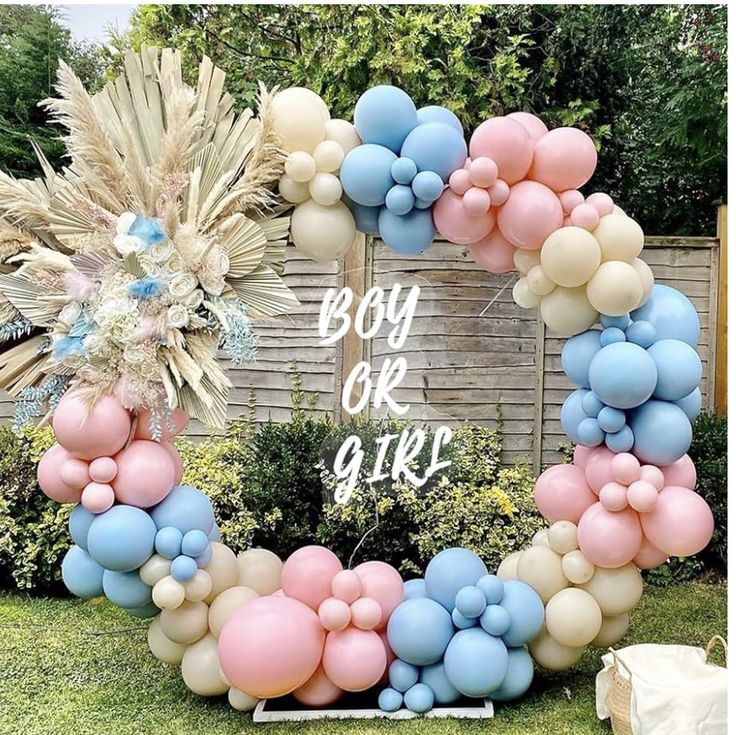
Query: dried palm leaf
{"type": "Point", "coordinates": [26, 296]}
{"type": "Point", "coordinates": [264, 293]}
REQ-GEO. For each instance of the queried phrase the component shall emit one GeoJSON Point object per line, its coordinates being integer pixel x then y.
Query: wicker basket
{"type": "Point", "coordinates": [618, 700]}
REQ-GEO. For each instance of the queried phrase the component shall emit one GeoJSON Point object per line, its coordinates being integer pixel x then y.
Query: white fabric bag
{"type": "Point", "coordinates": [675, 691]}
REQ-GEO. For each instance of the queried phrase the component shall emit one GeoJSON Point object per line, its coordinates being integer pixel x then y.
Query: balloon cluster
{"type": "Point", "coordinates": [460, 631]}
{"type": "Point", "coordinates": [639, 380]}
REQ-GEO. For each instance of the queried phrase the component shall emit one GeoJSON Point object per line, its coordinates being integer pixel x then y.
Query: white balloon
{"type": "Point", "coordinates": [328, 156]}
{"type": "Point", "coordinates": [325, 189]}
{"type": "Point", "coordinates": [322, 233]}
{"type": "Point", "coordinates": [260, 569]}
{"type": "Point", "coordinates": [540, 538]}
{"type": "Point", "coordinates": [155, 569]}
{"type": "Point", "coordinates": [541, 569]}
{"type": "Point", "coordinates": [570, 256]}
{"type": "Point", "coordinates": [613, 629]}
{"type": "Point", "coordinates": [292, 191]}
{"type": "Point", "coordinates": [300, 166]}
{"type": "Point", "coordinates": [563, 537]}
{"type": "Point", "coordinates": [507, 568]}
{"type": "Point", "coordinates": [168, 594]}
{"type": "Point", "coordinates": [199, 586]}
{"type": "Point", "coordinates": [567, 311]}
{"type": "Point", "coordinates": [551, 655]}
{"type": "Point", "coordinates": [162, 647]}
{"type": "Point", "coordinates": [299, 117]}
{"type": "Point", "coordinates": [240, 700]}
{"type": "Point", "coordinates": [523, 295]}
{"type": "Point", "coordinates": [525, 260]}
{"type": "Point", "coordinates": [615, 289]}
{"type": "Point", "coordinates": [645, 276]}
{"type": "Point", "coordinates": [223, 569]}
{"type": "Point", "coordinates": [186, 624]}
{"type": "Point", "coordinates": [620, 238]}
{"type": "Point", "coordinates": [200, 668]}
{"type": "Point", "coordinates": [573, 617]}
{"type": "Point", "coordinates": [576, 567]}
{"type": "Point", "coordinates": [538, 281]}
{"type": "Point", "coordinates": [344, 133]}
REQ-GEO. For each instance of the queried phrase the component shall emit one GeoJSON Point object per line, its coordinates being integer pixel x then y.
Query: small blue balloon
{"type": "Point", "coordinates": [679, 369]}
{"type": "Point", "coordinates": [419, 631]}
{"type": "Point", "coordinates": [435, 113]}
{"type": "Point", "coordinates": [422, 203]}
{"type": "Point", "coordinates": [183, 568]}
{"type": "Point", "coordinates": [146, 611]}
{"type": "Point", "coordinates": [427, 186]}
{"type": "Point", "coordinates": [671, 313]}
{"type": "Point", "coordinates": [492, 587]}
{"type": "Point", "coordinates": [577, 354]}
{"type": "Point", "coordinates": [366, 218]}
{"type": "Point", "coordinates": [79, 522]}
{"type": "Point", "coordinates": [399, 199]}
{"type": "Point", "coordinates": [366, 174]}
{"type": "Point", "coordinates": [121, 539]}
{"type": "Point", "coordinates": [470, 602]}
{"type": "Point", "coordinates": [592, 405]}
{"type": "Point", "coordinates": [621, 440]}
{"type": "Point", "coordinates": [435, 678]}
{"type": "Point", "coordinates": [419, 699]}
{"type": "Point", "coordinates": [662, 432]}
{"type": "Point", "coordinates": [691, 404]}
{"type": "Point", "coordinates": [389, 700]}
{"type": "Point", "coordinates": [414, 588]}
{"type": "Point", "coordinates": [168, 542]}
{"type": "Point", "coordinates": [126, 589]}
{"type": "Point", "coordinates": [409, 234]}
{"type": "Point", "coordinates": [612, 334]}
{"type": "Point", "coordinates": [194, 542]}
{"type": "Point", "coordinates": [82, 575]}
{"type": "Point", "coordinates": [451, 570]}
{"type": "Point", "coordinates": [385, 115]}
{"type": "Point", "coordinates": [185, 508]}
{"type": "Point", "coordinates": [475, 662]}
{"type": "Point", "coordinates": [402, 676]}
{"type": "Point", "coordinates": [611, 420]}
{"type": "Point", "coordinates": [461, 622]}
{"type": "Point", "coordinates": [641, 333]}
{"type": "Point", "coordinates": [617, 322]}
{"type": "Point", "coordinates": [214, 534]}
{"type": "Point", "coordinates": [204, 558]}
{"type": "Point", "coordinates": [572, 414]}
{"type": "Point", "coordinates": [436, 146]}
{"type": "Point", "coordinates": [526, 609]}
{"type": "Point", "coordinates": [623, 375]}
{"type": "Point", "coordinates": [589, 433]}
{"type": "Point", "coordinates": [403, 170]}
{"type": "Point", "coordinates": [518, 677]}
{"type": "Point", "coordinates": [495, 620]}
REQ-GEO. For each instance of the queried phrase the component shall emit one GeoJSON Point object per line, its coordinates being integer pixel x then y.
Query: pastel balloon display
{"type": "Point", "coordinates": [310, 222]}
{"type": "Point", "coordinates": [354, 659]}
{"type": "Point", "coordinates": [494, 253]}
{"type": "Point", "coordinates": [145, 474]}
{"type": "Point", "coordinates": [168, 430]}
{"type": "Point", "coordinates": [530, 215]}
{"type": "Point", "coordinates": [318, 691]}
{"type": "Point", "coordinates": [307, 575]}
{"type": "Point", "coordinates": [49, 477]}
{"type": "Point", "coordinates": [672, 315]}
{"type": "Point", "coordinates": [564, 158]}
{"type": "Point", "coordinates": [382, 583]}
{"type": "Point", "coordinates": [121, 539]}
{"type": "Point", "coordinates": [508, 143]}
{"type": "Point", "coordinates": [562, 493]}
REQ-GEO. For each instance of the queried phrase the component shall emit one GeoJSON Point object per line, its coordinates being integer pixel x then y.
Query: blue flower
{"type": "Point", "coordinates": [68, 347]}
{"type": "Point", "coordinates": [145, 288]}
{"type": "Point", "coordinates": [149, 230]}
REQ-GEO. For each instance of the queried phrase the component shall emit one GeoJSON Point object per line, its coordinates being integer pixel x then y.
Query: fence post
{"type": "Point", "coordinates": [539, 368]}
{"type": "Point", "coordinates": [721, 386]}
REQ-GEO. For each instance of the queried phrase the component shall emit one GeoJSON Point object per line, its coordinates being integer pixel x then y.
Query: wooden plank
{"type": "Point", "coordinates": [720, 391]}
{"type": "Point", "coordinates": [538, 396]}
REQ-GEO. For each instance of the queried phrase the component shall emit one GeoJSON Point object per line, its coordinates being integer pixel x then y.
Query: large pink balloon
{"type": "Point", "coordinates": [681, 473]}
{"type": "Point", "coordinates": [179, 419]}
{"type": "Point", "coordinates": [581, 454]}
{"type": "Point", "coordinates": [562, 494]}
{"type": "Point", "coordinates": [494, 253]}
{"type": "Point", "coordinates": [455, 224]}
{"type": "Point", "coordinates": [531, 123]}
{"type": "Point", "coordinates": [564, 158]}
{"type": "Point", "coordinates": [49, 476]}
{"type": "Point", "coordinates": [382, 583]}
{"type": "Point", "coordinates": [649, 556]}
{"type": "Point", "coordinates": [681, 523]}
{"type": "Point", "coordinates": [607, 538]}
{"type": "Point", "coordinates": [307, 575]}
{"type": "Point", "coordinates": [176, 459]}
{"type": "Point", "coordinates": [318, 691]}
{"type": "Point", "coordinates": [89, 432]}
{"type": "Point", "coordinates": [354, 659]}
{"type": "Point", "coordinates": [390, 655]}
{"type": "Point", "coordinates": [146, 474]}
{"type": "Point", "coordinates": [598, 470]}
{"type": "Point", "coordinates": [271, 646]}
{"type": "Point", "coordinates": [508, 143]}
{"type": "Point", "coordinates": [531, 214]}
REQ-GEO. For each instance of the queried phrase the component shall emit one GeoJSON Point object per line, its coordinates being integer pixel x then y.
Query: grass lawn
{"type": "Point", "coordinates": [59, 676]}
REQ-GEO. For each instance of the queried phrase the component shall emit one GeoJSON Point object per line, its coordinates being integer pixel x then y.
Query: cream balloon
{"type": "Point", "coordinates": [538, 281]}
{"type": "Point", "coordinates": [223, 568]}
{"type": "Point", "coordinates": [259, 569]}
{"type": "Point", "coordinates": [325, 189]}
{"type": "Point", "coordinates": [198, 587]}
{"type": "Point", "coordinates": [613, 629]}
{"type": "Point", "coordinates": [200, 668]}
{"type": "Point", "coordinates": [620, 238]}
{"type": "Point", "coordinates": [541, 569]}
{"type": "Point", "coordinates": [298, 117]}
{"type": "Point", "coordinates": [168, 594]}
{"type": "Point", "coordinates": [525, 260]}
{"type": "Point", "coordinates": [507, 568]}
{"type": "Point", "coordinates": [540, 538]}
{"type": "Point", "coordinates": [523, 295]}
{"type": "Point", "coordinates": [328, 156]}
{"type": "Point", "coordinates": [570, 256]}
{"type": "Point", "coordinates": [294, 192]}
{"type": "Point", "coordinates": [155, 569]}
{"type": "Point", "coordinates": [616, 590]}
{"type": "Point", "coordinates": [344, 133]}
{"type": "Point", "coordinates": [186, 624]}
{"type": "Point", "coordinates": [551, 655]}
{"type": "Point", "coordinates": [240, 700]}
{"type": "Point", "coordinates": [300, 167]}
{"type": "Point", "coordinates": [162, 647]}
{"type": "Point", "coordinates": [563, 536]}
{"type": "Point", "coordinates": [322, 233]}
{"type": "Point", "coordinates": [225, 604]}
{"type": "Point", "coordinates": [573, 617]}
{"type": "Point", "coordinates": [576, 567]}
{"type": "Point", "coordinates": [645, 276]}
{"type": "Point", "coordinates": [567, 311]}
{"type": "Point", "coordinates": [615, 289]}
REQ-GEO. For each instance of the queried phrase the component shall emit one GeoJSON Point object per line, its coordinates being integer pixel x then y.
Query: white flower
{"type": "Point", "coordinates": [125, 222]}
{"type": "Point", "coordinates": [194, 299]}
{"type": "Point", "coordinates": [135, 353]}
{"type": "Point", "coordinates": [161, 253]}
{"type": "Point", "coordinates": [126, 244]}
{"type": "Point", "coordinates": [177, 316]}
{"type": "Point", "coordinates": [181, 285]}
{"type": "Point", "coordinates": [69, 314]}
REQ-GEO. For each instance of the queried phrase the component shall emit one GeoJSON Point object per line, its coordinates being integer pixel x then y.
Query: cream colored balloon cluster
{"type": "Point", "coordinates": [186, 631]}
{"type": "Point", "coordinates": [579, 273]}
{"type": "Point", "coordinates": [584, 604]}
{"type": "Point", "coordinates": [322, 227]}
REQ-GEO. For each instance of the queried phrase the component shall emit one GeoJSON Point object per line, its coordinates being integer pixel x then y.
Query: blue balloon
{"type": "Point", "coordinates": [419, 699]}
{"type": "Point", "coordinates": [492, 587]}
{"type": "Point", "coordinates": [409, 234]}
{"type": "Point", "coordinates": [619, 322]}
{"type": "Point", "coordinates": [435, 678]}
{"type": "Point", "coordinates": [185, 508]}
{"type": "Point", "coordinates": [414, 588]}
{"type": "Point", "coordinates": [126, 589]}
{"type": "Point", "coordinates": [146, 611]}
{"type": "Point", "coordinates": [194, 542]}
{"type": "Point", "coordinates": [436, 146]}
{"type": "Point", "coordinates": [612, 334]}
{"type": "Point", "coordinates": [592, 405]}
{"type": "Point", "coordinates": [419, 631]}
{"type": "Point", "coordinates": [183, 568]}
{"type": "Point", "coordinates": [399, 199]}
{"type": "Point", "coordinates": [679, 369]}
{"type": "Point", "coordinates": [385, 115]}
{"type": "Point", "coordinates": [691, 404]}
{"type": "Point", "coordinates": [621, 440]}
{"type": "Point", "coordinates": [168, 542]}
{"type": "Point", "coordinates": [402, 676]}
{"type": "Point", "coordinates": [82, 575]}
{"type": "Point", "coordinates": [623, 375]}
{"type": "Point", "coordinates": [389, 700]}
{"type": "Point", "coordinates": [572, 414]}
{"type": "Point", "coordinates": [461, 622]}
{"type": "Point", "coordinates": [470, 602]}
{"type": "Point", "coordinates": [475, 662]}
{"type": "Point", "coordinates": [435, 113]}
{"type": "Point", "coordinates": [427, 186]}
{"type": "Point", "coordinates": [403, 170]}
{"type": "Point", "coordinates": [662, 432]}
{"type": "Point", "coordinates": [214, 533]}
{"type": "Point", "coordinates": [642, 333]}
{"type": "Point", "coordinates": [589, 433]}
{"type": "Point", "coordinates": [366, 218]}
{"type": "Point", "coordinates": [451, 570]}
{"type": "Point", "coordinates": [121, 539]}
{"type": "Point", "coordinates": [495, 620]}
{"type": "Point", "coordinates": [518, 677]}
{"type": "Point", "coordinates": [526, 609]}
{"type": "Point", "coordinates": [671, 313]}
{"type": "Point", "coordinates": [577, 354]}
{"type": "Point", "coordinates": [611, 420]}
{"type": "Point", "coordinates": [366, 174]}
{"type": "Point", "coordinates": [204, 558]}
{"type": "Point", "coordinates": [79, 522]}
{"type": "Point", "coordinates": [422, 203]}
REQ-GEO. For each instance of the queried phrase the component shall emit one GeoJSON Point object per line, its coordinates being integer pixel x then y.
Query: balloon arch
{"type": "Point", "coordinates": [252, 626]}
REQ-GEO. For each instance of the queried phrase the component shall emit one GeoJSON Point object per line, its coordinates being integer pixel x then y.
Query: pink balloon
{"type": "Point", "coordinates": [390, 655]}
{"type": "Point", "coordinates": [649, 556]}
{"type": "Point", "coordinates": [318, 691]}
{"type": "Point", "coordinates": [625, 468]}
{"type": "Point", "coordinates": [103, 469]}
{"type": "Point", "coordinates": [564, 158]}
{"type": "Point", "coordinates": [681, 473]}
{"type": "Point", "coordinates": [89, 432]}
{"type": "Point", "coordinates": [602, 202]}
{"type": "Point", "coordinates": [642, 496]}
{"type": "Point", "coordinates": [581, 454]}
{"type": "Point", "coordinates": [598, 468]}
{"type": "Point", "coordinates": [97, 497]}
{"type": "Point", "coordinates": [145, 474]}
{"type": "Point", "coordinates": [271, 646]}
{"type": "Point", "coordinates": [494, 253]}
{"type": "Point", "coordinates": [366, 613]}
{"type": "Point", "coordinates": [562, 494]}
{"type": "Point", "coordinates": [609, 539]}
{"type": "Point", "coordinates": [483, 172]}
{"type": "Point", "coordinates": [531, 123]}
{"type": "Point", "coordinates": [176, 459]}
{"type": "Point", "coordinates": [346, 585]}
{"type": "Point", "coordinates": [354, 659]}
{"type": "Point", "coordinates": [613, 496]}
{"type": "Point", "coordinates": [455, 224]}
{"type": "Point", "coordinates": [531, 214]}
{"type": "Point", "coordinates": [476, 201]}
{"type": "Point", "coordinates": [681, 523]}
{"type": "Point", "coordinates": [508, 143]}
{"type": "Point", "coordinates": [654, 475]}
{"type": "Point", "coordinates": [307, 575]}
{"type": "Point", "coordinates": [585, 216]}
{"type": "Point", "coordinates": [179, 419]}
{"type": "Point", "coordinates": [460, 181]}
{"type": "Point", "coordinates": [75, 473]}
{"type": "Point", "coordinates": [382, 583]}
{"type": "Point", "coordinates": [48, 473]}
{"type": "Point", "coordinates": [499, 193]}
{"type": "Point", "coordinates": [334, 614]}
{"type": "Point", "coordinates": [570, 199]}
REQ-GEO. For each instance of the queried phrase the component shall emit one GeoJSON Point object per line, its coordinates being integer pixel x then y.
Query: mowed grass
{"type": "Point", "coordinates": [68, 666]}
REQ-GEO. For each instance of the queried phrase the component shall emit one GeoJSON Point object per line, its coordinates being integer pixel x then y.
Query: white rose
{"type": "Point", "coordinates": [161, 253]}
{"type": "Point", "coordinates": [125, 222]}
{"type": "Point", "coordinates": [126, 244]}
{"type": "Point", "coordinates": [194, 299]}
{"type": "Point", "coordinates": [134, 354]}
{"type": "Point", "coordinates": [70, 313]}
{"type": "Point", "coordinates": [177, 316]}
{"type": "Point", "coordinates": [182, 284]}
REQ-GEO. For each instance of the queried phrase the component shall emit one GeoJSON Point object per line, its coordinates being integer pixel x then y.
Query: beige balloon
{"type": "Point", "coordinates": [613, 629]}
{"type": "Point", "coordinates": [240, 700]}
{"type": "Point", "coordinates": [328, 156]}
{"type": "Point", "coordinates": [298, 117]}
{"type": "Point", "coordinates": [344, 133]}
{"type": "Point", "coordinates": [199, 586]}
{"type": "Point", "coordinates": [570, 256]}
{"type": "Point", "coordinates": [507, 568]}
{"type": "Point", "coordinates": [200, 668]}
{"type": "Point", "coordinates": [525, 260]}
{"type": "Point", "coordinates": [645, 276]}
{"type": "Point", "coordinates": [163, 648]}
{"type": "Point", "coordinates": [618, 210]}
{"type": "Point", "coordinates": [223, 568]}
{"type": "Point", "coordinates": [523, 295]}
{"type": "Point", "coordinates": [541, 569]}
{"type": "Point", "coordinates": [620, 238]}
{"type": "Point", "coordinates": [541, 538]}
{"type": "Point", "coordinates": [576, 567]}
{"type": "Point", "coordinates": [294, 192]}
{"type": "Point", "coordinates": [551, 655]}
{"type": "Point", "coordinates": [573, 617]}
{"type": "Point", "coordinates": [538, 281]}
{"type": "Point", "coordinates": [300, 167]}
{"type": "Point", "coordinates": [325, 189]}
{"type": "Point", "coordinates": [563, 536]}
{"type": "Point", "coordinates": [225, 604]}
{"type": "Point", "coordinates": [168, 594]}
{"type": "Point", "coordinates": [260, 569]}
{"type": "Point", "coordinates": [567, 311]}
{"type": "Point", "coordinates": [616, 590]}
{"type": "Point", "coordinates": [322, 233]}
{"type": "Point", "coordinates": [615, 289]}
{"type": "Point", "coordinates": [155, 569]}
{"type": "Point", "coordinates": [186, 624]}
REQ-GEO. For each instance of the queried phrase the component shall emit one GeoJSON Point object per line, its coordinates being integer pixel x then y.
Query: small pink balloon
{"type": "Point", "coordinates": [681, 523]}
{"type": "Point", "coordinates": [382, 583]}
{"type": "Point", "coordinates": [483, 172]}
{"type": "Point", "coordinates": [334, 614]}
{"type": "Point", "coordinates": [366, 613]}
{"type": "Point", "coordinates": [564, 158]}
{"type": "Point", "coordinates": [570, 199]}
{"type": "Point", "coordinates": [681, 473]}
{"type": "Point", "coordinates": [581, 454]}
{"type": "Point", "coordinates": [531, 214]}
{"type": "Point", "coordinates": [460, 181]}
{"type": "Point", "coordinates": [467, 163]}
{"type": "Point", "coordinates": [602, 202]}
{"type": "Point", "coordinates": [476, 202]}
{"type": "Point", "coordinates": [609, 539]}
{"type": "Point", "coordinates": [455, 224]}
{"type": "Point", "coordinates": [625, 468]}
{"type": "Point", "coordinates": [307, 575]}
{"type": "Point", "coordinates": [354, 659]}
{"type": "Point", "coordinates": [655, 476]}
{"type": "Point", "coordinates": [89, 432]}
{"type": "Point", "coordinates": [103, 469]}
{"type": "Point", "coordinates": [613, 496]}
{"type": "Point", "coordinates": [179, 420]}
{"type": "Point", "coordinates": [499, 193]}
{"type": "Point", "coordinates": [346, 585]}
{"type": "Point", "coordinates": [642, 496]}
{"type": "Point", "coordinates": [531, 123]}
{"type": "Point", "coordinates": [75, 473]}
{"type": "Point", "coordinates": [585, 216]}
{"type": "Point", "coordinates": [176, 459]}
{"type": "Point", "coordinates": [598, 468]}
{"type": "Point", "coordinates": [508, 143]}
{"type": "Point", "coordinates": [649, 556]}
{"type": "Point", "coordinates": [494, 253]}
{"type": "Point", "coordinates": [145, 474]}
{"type": "Point", "coordinates": [97, 497]}
{"type": "Point", "coordinates": [318, 691]}
{"type": "Point", "coordinates": [562, 494]}
{"type": "Point", "coordinates": [48, 473]}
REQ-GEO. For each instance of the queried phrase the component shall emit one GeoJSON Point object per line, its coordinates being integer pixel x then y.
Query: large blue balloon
{"type": "Point", "coordinates": [518, 676]}
{"type": "Point", "coordinates": [435, 678]}
{"type": "Point", "coordinates": [436, 146]}
{"type": "Point", "coordinates": [450, 571]}
{"type": "Point", "coordinates": [185, 508]}
{"type": "Point", "coordinates": [672, 314]}
{"type": "Point", "coordinates": [79, 522]}
{"type": "Point", "coordinates": [385, 115]}
{"type": "Point", "coordinates": [419, 631]}
{"type": "Point", "coordinates": [679, 369]}
{"type": "Point", "coordinates": [81, 574]}
{"type": "Point", "coordinates": [662, 432]}
{"type": "Point", "coordinates": [623, 375]}
{"type": "Point", "coordinates": [526, 609]}
{"type": "Point", "coordinates": [409, 233]}
{"type": "Point", "coordinates": [126, 589]}
{"type": "Point", "coordinates": [366, 218]}
{"type": "Point", "coordinates": [475, 662]}
{"type": "Point", "coordinates": [366, 174]}
{"type": "Point", "coordinates": [121, 539]}
{"type": "Point", "coordinates": [435, 113]}
{"type": "Point", "coordinates": [691, 404]}
{"type": "Point", "coordinates": [414, 588]}
{"type": "Point", "coordinates": [577, 354]}
{"type": "Point", "coordinates": [572, 413]}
